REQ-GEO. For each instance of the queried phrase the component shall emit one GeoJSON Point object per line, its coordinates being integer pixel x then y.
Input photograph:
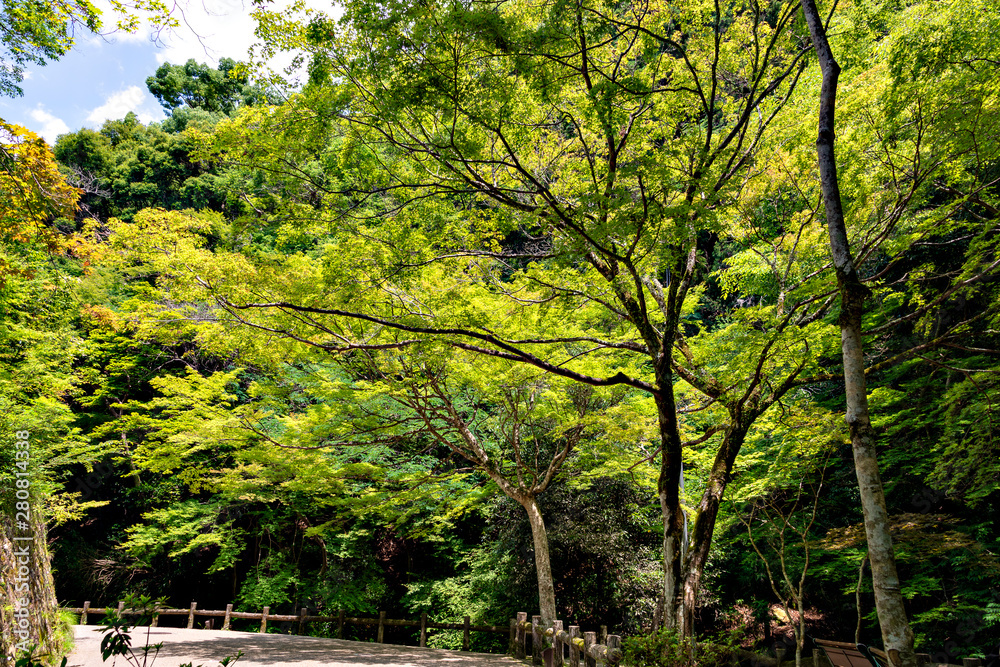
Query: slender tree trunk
{"type": "Point", "coordinates": [897, 636]}
{"type": "Point", "coordinates": [800, 634]}
{"type": "Point", "coordinates": [543, 566]}
{"type": "Point", "coordinates": [708, 513]}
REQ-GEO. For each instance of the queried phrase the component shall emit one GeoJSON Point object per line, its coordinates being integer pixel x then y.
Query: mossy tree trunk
{"type": "Point", "coordinates": [26, 575]}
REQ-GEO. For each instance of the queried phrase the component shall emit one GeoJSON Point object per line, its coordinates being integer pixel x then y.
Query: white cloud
{"type": "Point", "coordinates": [51, 127]}
{"type": "Point", "coordinates": [207, 30]}
{"type": "Point", "coordinates": [109, 33]}
{"type": "Point", "coordinates": [224, 27]}
{"type": "Point", "coordinates": [119, 104]}
{"type": "Point", "coordinates": [213, 29]}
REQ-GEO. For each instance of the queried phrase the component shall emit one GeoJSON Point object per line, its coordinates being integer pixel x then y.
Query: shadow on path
{"type": "Point", "coordinates": [207, 647]}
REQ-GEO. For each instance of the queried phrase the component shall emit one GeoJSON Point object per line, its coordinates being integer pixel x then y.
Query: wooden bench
{"type": "Point", "coordinates": [843, 654]}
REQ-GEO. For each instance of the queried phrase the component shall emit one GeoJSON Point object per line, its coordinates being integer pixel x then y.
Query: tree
{"type": "Point", "coordinates": [430, 194]}
{"type": "Point", "coordinates": [198, 86]}
{"type": "Point", "coordinates": [516, 426]}
{"type": "Point", "coordinates": [32, 191]}
{"type": "Point", "coordinates": [126, 166]}
{"type": "Point", "coordinates": [897, 636]}
{"type": "Point", "coordinates": [33, 32]}
{"type": "Point", "coordinates": [519, 427]}
{"type": "Point", "coordinates": [38, 345]}
{"type": "Point", "coordinates": [614, 170]}
{"type": "Point", "coordinates": [789, 525]}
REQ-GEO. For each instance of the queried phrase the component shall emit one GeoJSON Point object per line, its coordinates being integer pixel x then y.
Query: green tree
{"type": "Point", "coordinates": [38, 344]}
{"type": "Point", "coordinates": [612, 173]}
{"type": "Point", "coordinates": [34, 32]}
{"type": "Point", "coordinates": [126, 166]}
{"type": "Point", "coordinates": [896, 633]}
{"type": "Point", "coordinates": [198, 86]}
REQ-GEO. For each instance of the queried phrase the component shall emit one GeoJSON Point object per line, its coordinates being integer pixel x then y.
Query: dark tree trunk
{"type": "Point", "coordinates": [708, 513]}
{"type": "Point", "coordinates": [668, 489]}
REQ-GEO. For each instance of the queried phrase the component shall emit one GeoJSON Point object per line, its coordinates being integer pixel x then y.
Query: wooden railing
{"type": "Point", "coordinates": [302, 618]}
{"type": "Point", "coordinates": [588, 648]}
{"type": "Point", "coordinates": [580, 646]}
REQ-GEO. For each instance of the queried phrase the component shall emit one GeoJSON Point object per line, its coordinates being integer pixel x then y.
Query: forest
{"type": "Point", "coordinates": [480, 307]}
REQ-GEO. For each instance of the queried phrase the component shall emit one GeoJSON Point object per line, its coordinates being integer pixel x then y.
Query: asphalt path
{"type": "Point", "coordinates": [207, 647]}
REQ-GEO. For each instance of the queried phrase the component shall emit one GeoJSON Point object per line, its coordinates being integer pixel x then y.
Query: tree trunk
{"type": "Point", "coordinates": [896, 634]}
{"type": "Point", "coordinates": [546, 589]}
{"type": "Point", "coordinates": [708, 513]}
{"type": "Point", "coordinates": [668, 489]}
{"type": "Point", "coordinates": [26, 575]}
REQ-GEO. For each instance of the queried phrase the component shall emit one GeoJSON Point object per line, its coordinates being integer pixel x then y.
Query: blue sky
{"type": "Point", "coordinates": [105, 78]}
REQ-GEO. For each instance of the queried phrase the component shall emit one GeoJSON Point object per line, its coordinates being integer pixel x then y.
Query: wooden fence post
{"type": "Point", "coordinates": [302, 620]}
{"type": "Point", "coordinates": [589, 639]}
{"type": "Point", "coordinates": [465, 636]}
{"type": "Point", "coordinates": [512, 648]}
{"type": "Point", "coordinates": [574, 650]}
{"type": "Point", "coordinates": [423, 629]}
{"type": "Point", "coordinates": [263, 619]}
{"type": "Point", "coordinates": [121, 607]}
{"type": "Point", "coordinates": [156, 618]}
{"type": "Point", "coordinates": [521, 652]}
{"type": "Point", "coordinates": [340, 624]}
{"type": "Point", "coordinates": [536, 640]}
{"type": "Point", "coordinates": [191, 615]}
{"type": "Point", "coordinates": [229, 611]}
{"type": "Point", "coordinates": [614, 650]}
{"type": "Point", "coordinates": [603, 637]}
{"type": "Point", "coordinates": [381, 627]}
{"type": "Point", "coordinates": [83, 616]}
{"type": "Point", "coordinates": [557, 643]}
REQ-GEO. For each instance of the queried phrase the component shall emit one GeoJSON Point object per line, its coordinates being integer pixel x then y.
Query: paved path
{"type": "Point", "coordinates": [207, 647]}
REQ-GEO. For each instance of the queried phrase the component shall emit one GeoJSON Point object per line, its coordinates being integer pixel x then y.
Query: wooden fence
{"type": "Point", "coordinates": [302, 618]}
{"type": "Point", "coordinates": [580, 646]}
{"type": "Point", "coordinates": [585, 649]}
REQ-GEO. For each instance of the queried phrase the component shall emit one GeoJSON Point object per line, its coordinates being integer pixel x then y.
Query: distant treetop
{"type": "Point", "coordinates": [198, 86]}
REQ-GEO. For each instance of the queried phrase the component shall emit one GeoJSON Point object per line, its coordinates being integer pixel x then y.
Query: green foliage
{"type": "Point", "coordinates": [126, 166]}
{"type": "Point", "coordinates": [31, 659]}
{"type": "Point", "coordinates": [665, 648]}
{"type": "Point", "coordinates": [450, 168]}
{"type": "Point", "coordinates": [34, 32]}
{"type": "Point", "coordinates": [655, 650]}
{"type": "Point", "coordinates": [198, 86]}
{"type": "Point", "coordinates": [270, 583]}
{"type": "Point", "coordinates": [479, 590]}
